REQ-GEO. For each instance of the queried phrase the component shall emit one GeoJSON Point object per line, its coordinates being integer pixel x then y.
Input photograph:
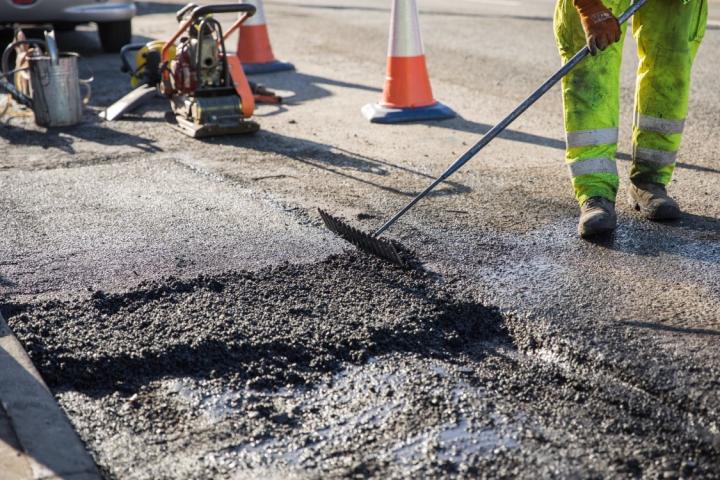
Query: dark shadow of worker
{"type": "Point", "coordinates": [695, 237]}
{"type": "Point", "coordinates": [463, 125]}
{"type": "Point", "coordinates": [337, 160]}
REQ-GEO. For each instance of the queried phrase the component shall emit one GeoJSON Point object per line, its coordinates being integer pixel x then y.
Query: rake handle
{"type": "Point", "coordinates": [498, 129]}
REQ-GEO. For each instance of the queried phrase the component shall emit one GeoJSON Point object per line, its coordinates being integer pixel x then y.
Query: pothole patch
{"type": "Point", "coordinates": [349, 367]}
{"type": "Point", "coordinates": [278, 327]}
{"type": "Point", "coordinates": [251, 370]}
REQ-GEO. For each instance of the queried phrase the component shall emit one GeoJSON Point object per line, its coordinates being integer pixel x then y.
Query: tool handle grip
{"type": "Point", "coordinates": [198, 12]}
{"type": "Point", "coordinates": [52, 47]}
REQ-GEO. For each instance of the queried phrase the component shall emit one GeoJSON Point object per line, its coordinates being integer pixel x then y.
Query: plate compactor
{"type": "Point", "coordinates": [197, 80]}
{"type": "Point", "coordinates": [207, 88]}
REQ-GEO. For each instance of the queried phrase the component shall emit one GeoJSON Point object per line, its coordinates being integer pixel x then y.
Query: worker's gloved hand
{"type": "Point", "coordinates": [600, 25]}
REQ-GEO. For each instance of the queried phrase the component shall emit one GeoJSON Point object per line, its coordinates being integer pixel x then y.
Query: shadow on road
{"type": "Point", "coordinates": [311, 87]}
{"type": "Point", "coordinates": [697, 223]}
{"type": "Point", "coordinates": [306, 87]}
{"type": "Point", "coordinates": [64, 138]}
{"type": "Point", "coordinates": [463, 125]}
{"type": "Point", "coordinates": [696, 237]}
{"type": "Point", "coordinates": [672, 329]}
{"type": "Point", "coordinates": [335, 160]}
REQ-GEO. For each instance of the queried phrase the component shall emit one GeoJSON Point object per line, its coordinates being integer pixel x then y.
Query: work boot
{"type": "Point", "coordinates": [652, 200]}
{"type": "Point", "coordinates": [597, 216]}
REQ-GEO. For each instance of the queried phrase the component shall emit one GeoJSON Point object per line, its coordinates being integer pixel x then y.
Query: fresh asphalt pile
{"type": "Point", "coordinates": [349, 367]}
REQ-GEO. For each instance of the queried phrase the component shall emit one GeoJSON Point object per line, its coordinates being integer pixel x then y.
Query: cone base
{"type": "Point", "coordinates": [376, 113]}
{"type": "Point", "coordinates": [269, 67]}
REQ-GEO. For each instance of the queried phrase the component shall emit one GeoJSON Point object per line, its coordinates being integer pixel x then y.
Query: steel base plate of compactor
{"type": "Point", "coordinates": [210, 115]}
{"type": "Point", "coordinates": [194, 130]}
{"type": "Point", "coordinates": [364, 241]}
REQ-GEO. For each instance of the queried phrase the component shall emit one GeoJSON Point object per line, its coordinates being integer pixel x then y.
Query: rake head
{"type": "Point", "coordinates": [364, 241]}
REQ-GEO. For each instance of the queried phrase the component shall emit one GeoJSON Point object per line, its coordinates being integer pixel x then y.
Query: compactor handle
{"type": "Point", "coordinates": [198, 12]}
{"type": "Point", "coordinates": [246, 8]}
{"type": "Point", "coordinates": [181, 13]}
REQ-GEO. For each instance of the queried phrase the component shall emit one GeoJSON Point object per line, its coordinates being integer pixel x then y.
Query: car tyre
{"type": "Point", "coordinates": [114, 35]}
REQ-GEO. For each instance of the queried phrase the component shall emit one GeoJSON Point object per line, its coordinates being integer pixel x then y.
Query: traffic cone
{"type": "Point", "coordinates": [254, 48]}
{"type": "Point", "coordinates": [407, 96]}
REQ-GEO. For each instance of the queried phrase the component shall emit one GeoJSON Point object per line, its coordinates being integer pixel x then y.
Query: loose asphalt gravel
{"type": "Point", "coordinates": [350, 367]}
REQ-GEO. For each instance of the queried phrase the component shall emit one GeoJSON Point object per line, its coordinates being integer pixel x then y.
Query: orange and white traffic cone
{"type": "Point", "coordinates": [407, 96]}
{"type": "Point", "coordinates": [254, 48]}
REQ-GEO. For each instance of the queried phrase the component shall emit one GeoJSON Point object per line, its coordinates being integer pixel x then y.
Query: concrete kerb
{"type": "Point", "coordinates": [49, 446]}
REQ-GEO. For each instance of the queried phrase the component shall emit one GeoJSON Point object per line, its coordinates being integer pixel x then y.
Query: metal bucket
{"type": "Point", "coordinates": [57, 101]}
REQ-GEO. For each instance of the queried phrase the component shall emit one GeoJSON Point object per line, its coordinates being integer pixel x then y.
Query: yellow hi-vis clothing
{"type": "Point", "coordinates": [668, 34]}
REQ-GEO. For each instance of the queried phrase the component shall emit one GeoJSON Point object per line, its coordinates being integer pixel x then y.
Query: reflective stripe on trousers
{"type": "Point", "coordinates": [656, 158]}
{"type": "Point", "coordinates": [592, 165]}
{"type": "Point", "coordinates": [659, 125]}
{"type": "Point", "coordinates": [584, 138]}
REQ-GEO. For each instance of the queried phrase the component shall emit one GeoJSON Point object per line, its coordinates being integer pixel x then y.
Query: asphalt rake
{"type": "Point", "coordinates": [372, 243]}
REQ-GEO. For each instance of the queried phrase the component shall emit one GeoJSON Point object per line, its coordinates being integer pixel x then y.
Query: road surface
{"type": "Point", "coordinates": [194, 318]}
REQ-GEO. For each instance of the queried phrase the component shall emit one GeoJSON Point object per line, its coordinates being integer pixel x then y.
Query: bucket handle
{"type": "Point", "coordinates": [86, 82]}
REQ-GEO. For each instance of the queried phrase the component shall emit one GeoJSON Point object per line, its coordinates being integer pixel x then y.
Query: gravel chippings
{"type": "Point", "coordinates": [280, 327]}
{"type": "Point", "coordinates": [347, 367]}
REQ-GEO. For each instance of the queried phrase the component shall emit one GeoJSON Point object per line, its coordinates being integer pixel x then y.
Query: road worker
{"type": "Point", "coordinates": [668, 34]}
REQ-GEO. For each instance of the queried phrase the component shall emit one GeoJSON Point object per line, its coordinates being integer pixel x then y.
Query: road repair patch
{"type": "Point", "coordinates": [344, 367]}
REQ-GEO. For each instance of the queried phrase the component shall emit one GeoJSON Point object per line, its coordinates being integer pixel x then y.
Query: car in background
{"type": "Point", "coordinates": [113, 17]}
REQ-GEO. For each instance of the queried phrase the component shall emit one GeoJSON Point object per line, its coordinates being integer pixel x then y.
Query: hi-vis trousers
{"type": "Point", "coordinates": [668, 34]}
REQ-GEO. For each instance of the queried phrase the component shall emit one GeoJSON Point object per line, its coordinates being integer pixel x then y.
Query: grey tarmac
{"type": "Point", "coordinates": [194, 319]}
